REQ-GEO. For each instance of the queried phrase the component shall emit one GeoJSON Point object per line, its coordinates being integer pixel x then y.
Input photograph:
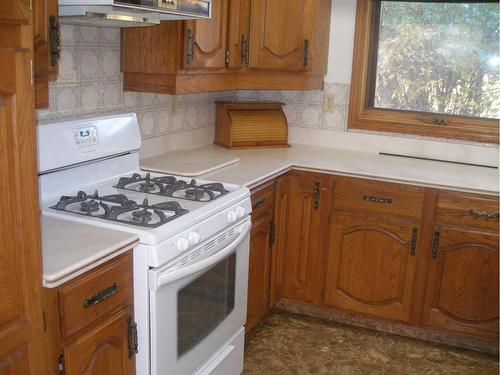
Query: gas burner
{"type": "Point", "coordinates": [169, 186]}
{"type": "Point", "coordinates": [119, 208]}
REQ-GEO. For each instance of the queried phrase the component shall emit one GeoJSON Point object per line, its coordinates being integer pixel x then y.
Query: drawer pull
{"type": "Point", "coordinates": [101, 295]}
{"type": "Point", "coordinates": [371, 198]}
{"type": "Point", "coordinates": [414, 236]}
{"type": "Point", "coordinates": [260, 203]}
{"type": "Point", "coordinates": [484, 214]}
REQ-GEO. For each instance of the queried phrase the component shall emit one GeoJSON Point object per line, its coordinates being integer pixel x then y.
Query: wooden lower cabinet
{"type": "Point", "coordinates": [371, 265]}
{"type": "Point", "coordinates": [462, 285]}
{"type": "Point", "coordinates": [259, 271]}
{"type": "Point", "coordinates": [308, 213]}
{"type": "Point", "coordinates": [103, 340]}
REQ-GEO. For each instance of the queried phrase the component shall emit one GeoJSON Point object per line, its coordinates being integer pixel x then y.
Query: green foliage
{"type": "Point", "coordinates": [439, 57]}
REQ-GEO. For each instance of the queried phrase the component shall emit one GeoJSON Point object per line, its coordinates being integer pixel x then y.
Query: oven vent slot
{"type": "Point", "coordinates": [192, 255]}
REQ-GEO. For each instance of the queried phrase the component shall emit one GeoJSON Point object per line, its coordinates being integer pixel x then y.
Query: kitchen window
{"type": "Point", "coordinates": [427, 67]}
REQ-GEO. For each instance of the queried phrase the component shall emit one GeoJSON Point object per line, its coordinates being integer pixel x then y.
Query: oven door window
{"type": "Point", "coordinates": [204, 303]}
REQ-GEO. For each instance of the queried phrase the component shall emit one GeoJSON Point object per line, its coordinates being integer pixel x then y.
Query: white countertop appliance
{"type": "Point", "coordinates": [191, 267]}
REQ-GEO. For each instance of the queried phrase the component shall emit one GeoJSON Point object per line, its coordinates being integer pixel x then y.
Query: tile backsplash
{"type": "Point", "coordinates": [90, 84]}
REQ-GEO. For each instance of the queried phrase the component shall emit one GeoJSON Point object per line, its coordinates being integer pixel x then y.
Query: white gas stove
{"type": "Point", "coordinates": [191, 267]}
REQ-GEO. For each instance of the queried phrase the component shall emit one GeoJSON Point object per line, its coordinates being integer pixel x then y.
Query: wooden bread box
{"type": "Point", "coordinates": [251, 125]}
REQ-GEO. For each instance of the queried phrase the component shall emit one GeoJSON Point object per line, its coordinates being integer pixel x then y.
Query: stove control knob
{"type": "Point", "coordinates": [240, 211]}
{"type": "Point", "coordinates": [194, 238]}
{"type": "Point", "coordinates": [231, 217]}
{"type": "Point", "coordinates": [182, 244]}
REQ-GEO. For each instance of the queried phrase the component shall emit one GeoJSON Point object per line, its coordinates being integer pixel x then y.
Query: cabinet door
{"type": "Point", "coordinates": [14, 11]}
{"type": "Point", "coordinates": [462, 284]}
{"type": "Point", "coordinates": [281, 212]}
{"type": "Point", "coordinates": [371, 265]}
{"type": "Point", "coordinates": [102, 351]}
{"type": "Point", "coordinates": [309, 208]}
{"type": "Point", "coordinates": [280, 34]}
{"type": "Point", "coordinates": [21, 329]}
{"type": "Point", "coordinates": [259, 271]}
{"type": "Point", "coordinates": [238, 33]}
{"type": "Point", "coordinates": [206, 40]}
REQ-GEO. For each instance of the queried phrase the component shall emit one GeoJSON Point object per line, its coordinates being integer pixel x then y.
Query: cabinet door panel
{"type": "Point", "coordinates": [462, 288]}
{"type": "Point", "coordinates": [280, 34]}
{"type": "Point", "coordinates": [209, 39]}
{"type": "Point", "coordinates": [371, 267]}
{"type": "Point", "coordinates": [103, 350]}
{"type": "Point", "coordinates": [21, 349]}
{"type": "Point", "coordinates": [14, 11]}
{"type": "Point", "coordinates": [305, 241]}
{"type": "Point", "coordinates": [238, 33]}
{"type": "Point", "coordinates": [259, 271]}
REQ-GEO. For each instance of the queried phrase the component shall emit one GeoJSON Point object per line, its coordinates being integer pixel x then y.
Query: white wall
{"type": "Point", "coordinates": [341, 41]}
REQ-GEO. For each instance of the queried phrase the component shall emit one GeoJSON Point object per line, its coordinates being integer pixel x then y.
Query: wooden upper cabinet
{"type": "Point", "coordinates": [14, 11]}
{"type": "Point", "coordinates": [238, 34]}
{"type": "Point", "coordinates": [206, 40]}
{"type": "Point", "coordinates": [308, 211]}
{"type": "Point", "coordinates": [462, 284]}
{"type": "Point", "coordinates": [47, 40]}
{"type": "Point", "coordinates": [371, 265]}
{"type": "Point", "coordinates": [280, 34]}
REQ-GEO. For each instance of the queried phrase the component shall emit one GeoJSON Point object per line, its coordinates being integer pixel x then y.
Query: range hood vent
{"type": "Point", "coordinates": [130, 13]}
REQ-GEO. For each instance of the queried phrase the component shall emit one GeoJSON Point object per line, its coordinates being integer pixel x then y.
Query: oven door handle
{"type": "Point", "coordinates": [157, 279]}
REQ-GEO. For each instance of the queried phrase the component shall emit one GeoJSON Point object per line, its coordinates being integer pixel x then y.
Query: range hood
{"type": "Point", "coordinates": [130, 13]}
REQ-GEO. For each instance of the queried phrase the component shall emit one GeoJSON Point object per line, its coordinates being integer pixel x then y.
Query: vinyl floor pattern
{"type": "Point", "coordinates": [289, 344]}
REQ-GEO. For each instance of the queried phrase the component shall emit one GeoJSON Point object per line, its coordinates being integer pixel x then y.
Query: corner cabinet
{"type": "Point", "coordinates": [310, 195]}
{"type": "Point", "coordinates": [462, 284]}
{"type": "Point", "coordinates": [259, 44]}
{"type": "Point", "coordinates": [90, 322]}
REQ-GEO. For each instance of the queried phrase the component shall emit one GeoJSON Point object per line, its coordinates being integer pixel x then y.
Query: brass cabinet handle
{"type": "Point", "coordinates": [484, 214]}
{"type": "Point", "coordinates": [414, 236]}
{"type": "Point", "coordinates": [101, 295]}
{"type": "Point", "coordinates": [435, 245]}
{"type": "Point", "coordinates": [54, 40]}
{"type": "Point", "coordinates": [306, 52]}
{"type": "Point", "coordinates": [190, 47]}
{"type": "Point", "coordinates": [132, 337]}
{"type": "Point", "coordinates": [316, 195]}
{"type": "Point", "coordinates": [371, 198]}
{"type": "Point", "coordinates": [260, 203]}
{"type": "Point", "coordinates": [244, 50]}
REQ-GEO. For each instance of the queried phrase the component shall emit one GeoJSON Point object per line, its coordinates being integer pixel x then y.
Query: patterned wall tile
{"type": "Point", "coordinates": [110, 62]}
{"type": "Point", "coordinates": [146, 121]}
{"type": "Point", "coordinates": [163, 121]}
{"type": "Point", "coordinates": [90, 36]}
{"type": "Point", "coordinates": [68, 65]}
{"type": "Point", "coordinates": [89, 65]}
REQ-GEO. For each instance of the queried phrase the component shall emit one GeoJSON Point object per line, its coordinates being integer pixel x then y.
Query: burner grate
{"type": "Point", "coordinates": [119, 208]}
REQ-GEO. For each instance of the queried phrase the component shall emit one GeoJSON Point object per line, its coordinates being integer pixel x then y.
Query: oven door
{"type": "Point", "coordinates": [199, 303]}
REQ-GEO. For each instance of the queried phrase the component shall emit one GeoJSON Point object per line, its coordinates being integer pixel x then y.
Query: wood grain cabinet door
{"type": "Point", "coordinates": [462, 285]}
{"type": "Point", "coordinates": [371, 265]}
{"type": "Point", "coordinates": [259, 270]}
{"type": "Point", "coordinates": [21, 341]}
{"type": "Point", "coordinates": [309, 206]}
{"type": "Point", "coordinates": [102, 351]}
{"type": "Point", "coordinates": [206, 40]}
{"type": "Point", "coordinates": [280, 34]}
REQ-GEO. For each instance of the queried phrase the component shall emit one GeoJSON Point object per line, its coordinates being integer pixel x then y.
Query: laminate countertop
{"type": "Point", "coordinates": [256, 166]}
{"type": "Point", "coordinates": [70, 249]}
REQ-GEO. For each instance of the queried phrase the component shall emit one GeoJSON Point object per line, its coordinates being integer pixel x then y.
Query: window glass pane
{"type": "Point", "coordinates": [439, 57]}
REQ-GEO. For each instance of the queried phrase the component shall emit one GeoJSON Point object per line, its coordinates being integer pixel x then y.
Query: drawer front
{"type": "Point", "coordinates": [376, 196]}
{"type": "Point", "coordinates": [262, 201]}
{"type": "Point", "coordinates": [95, 294]}
{"type": "Point", "coordinates": [467, 210]}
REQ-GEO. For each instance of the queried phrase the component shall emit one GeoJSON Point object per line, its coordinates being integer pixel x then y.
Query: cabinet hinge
{"type": "Point", "coordinates": [227, 58]}
{"type": "Point", "coordinates": [132, 337]}
{"type": "Point", "coordinates": [61, 369]}
{"type": "Point", "coordinates": [272, 234]}
{"type": "Point", "coordinates": [316, 194]}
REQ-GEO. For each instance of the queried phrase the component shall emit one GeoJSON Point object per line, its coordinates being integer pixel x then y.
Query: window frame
{"type": "Point", "coordinates": [362, 116]}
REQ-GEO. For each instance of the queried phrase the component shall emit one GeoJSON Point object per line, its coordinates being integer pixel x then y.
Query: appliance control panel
{"type": "Point", "coordinates": [86, 136]}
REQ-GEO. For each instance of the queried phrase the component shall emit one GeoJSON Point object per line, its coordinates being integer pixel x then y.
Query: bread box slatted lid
{"type": "Point", "coordinates": [248, 125]}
